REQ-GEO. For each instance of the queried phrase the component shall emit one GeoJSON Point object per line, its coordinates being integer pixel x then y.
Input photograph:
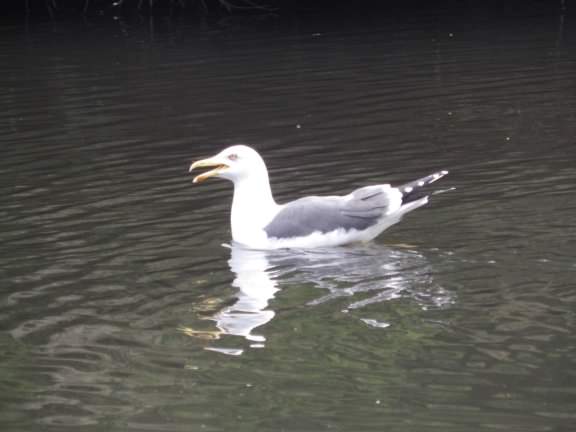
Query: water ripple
{"type": "Point", "coordinates": [121, 310]}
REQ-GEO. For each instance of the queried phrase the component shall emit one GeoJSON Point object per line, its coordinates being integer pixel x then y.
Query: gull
{"type": "Point", "coordinates": [258, 222]}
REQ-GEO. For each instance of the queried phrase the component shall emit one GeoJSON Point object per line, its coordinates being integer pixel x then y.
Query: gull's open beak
{"type": "Point", "coordinates": [205, 163]}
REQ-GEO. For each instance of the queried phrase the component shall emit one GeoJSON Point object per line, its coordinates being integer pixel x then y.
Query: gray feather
{"type": "Point", "coordinates": [360, 210]}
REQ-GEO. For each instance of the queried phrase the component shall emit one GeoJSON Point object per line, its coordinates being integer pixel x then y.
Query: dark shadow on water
{"type": "Point", "coordinates": [365, 274]}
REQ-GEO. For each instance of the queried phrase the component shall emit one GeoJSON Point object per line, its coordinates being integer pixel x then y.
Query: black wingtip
{"type": "Point", "coordinates": [412, 191]}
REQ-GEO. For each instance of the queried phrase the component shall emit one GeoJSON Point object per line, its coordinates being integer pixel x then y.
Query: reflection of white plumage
{"type": "Point", "coordinates": [258, 222]}
{"type": "Point", "coordinates": [366, 274]}
{"type": "Point", "coordinates": [256, 288]}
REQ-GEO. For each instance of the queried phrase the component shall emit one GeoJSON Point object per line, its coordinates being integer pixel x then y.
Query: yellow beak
{"type": "Point", "coordinates": [205, 163]}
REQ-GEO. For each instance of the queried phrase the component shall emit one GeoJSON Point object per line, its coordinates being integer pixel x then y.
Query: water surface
{"type": "Point", "coordinates": [121, 309]}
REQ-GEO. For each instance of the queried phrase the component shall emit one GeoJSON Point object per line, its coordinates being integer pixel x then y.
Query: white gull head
{"type": "Point", "coordinates": [236, 163]}
{"type": "Point", "coordinates": [253, 206]}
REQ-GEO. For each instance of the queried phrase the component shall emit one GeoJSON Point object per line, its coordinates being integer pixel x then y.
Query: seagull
{"type": "Point", "coordinates": [258, 222]}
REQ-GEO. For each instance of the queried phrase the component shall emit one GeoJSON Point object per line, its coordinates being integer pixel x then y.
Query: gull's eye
{"type": "Point", "coordinates": [233, 157]}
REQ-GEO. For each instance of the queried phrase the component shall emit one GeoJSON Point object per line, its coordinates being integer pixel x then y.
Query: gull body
{"type": "Point", "coordinates": [258, 222]}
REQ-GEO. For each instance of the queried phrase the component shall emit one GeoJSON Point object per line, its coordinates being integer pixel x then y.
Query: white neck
{"type": "Point", "coordinates": [253, 207]}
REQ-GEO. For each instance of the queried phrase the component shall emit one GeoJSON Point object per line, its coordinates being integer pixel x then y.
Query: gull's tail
{"type": "Point", "coordinates": [412, 191]}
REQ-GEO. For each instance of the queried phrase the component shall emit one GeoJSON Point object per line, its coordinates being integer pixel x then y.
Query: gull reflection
{"type": "Point", "coordinates": [368, 274]}
{"type": "Point", "coordinates": [255, 289]}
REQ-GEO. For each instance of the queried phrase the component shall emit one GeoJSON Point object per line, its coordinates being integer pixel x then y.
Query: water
{"type": "Point", "coordinates": [121, 309]}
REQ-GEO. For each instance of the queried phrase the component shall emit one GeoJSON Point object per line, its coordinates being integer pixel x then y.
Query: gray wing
{"type": "Point", "coordinates": [361, 209]}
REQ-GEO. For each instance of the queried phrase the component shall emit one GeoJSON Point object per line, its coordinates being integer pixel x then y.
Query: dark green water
{"type": "Point", "coordinates": [121, 310]}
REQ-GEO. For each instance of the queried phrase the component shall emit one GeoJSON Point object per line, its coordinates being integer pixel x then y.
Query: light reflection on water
{"type": "Point", "coordinates": [116, 292]}
{"type": "Point", "coordinates": [376, 273]}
